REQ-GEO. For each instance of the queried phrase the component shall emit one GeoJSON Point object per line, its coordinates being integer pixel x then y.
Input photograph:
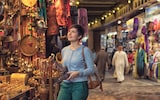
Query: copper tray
{"type": "Point", "coordinates": [29, 45]}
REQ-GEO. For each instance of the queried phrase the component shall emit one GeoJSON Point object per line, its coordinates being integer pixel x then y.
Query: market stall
{"type": "Point", "coordinates": [27, 29]}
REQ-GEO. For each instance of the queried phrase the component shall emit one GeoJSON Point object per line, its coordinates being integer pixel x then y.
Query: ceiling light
{"type": "Point", "coordinates": [92, 23]}
{"type": "Point", "coordinates": [77, 3]}
{"type": "Point", "coordinates": [105, 16]}
{"type": "Point", "coordinates": [71, 3]}
{"type": "Point", "coordinates": [110, 14]}
{"type": "Point", "coordinates": [96, 21]}
{"type": "Point", "coordinates": [89, 24]}
{"type": "Point", "coordinates": [117, 8]}
{"type": "Point", "coordinates": [141, 8]}
{"type": "Point", "coordinates": [119, 22]}
{"type": "Point", "coordinates": [113, 11]}
{"type": "Point", "coordinates": [102, 18]}
{"type": "Point", "coordinates": [129, 1]}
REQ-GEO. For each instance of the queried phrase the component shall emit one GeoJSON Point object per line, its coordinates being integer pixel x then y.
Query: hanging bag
{"type": "Point", "coordinates": [93, 80]}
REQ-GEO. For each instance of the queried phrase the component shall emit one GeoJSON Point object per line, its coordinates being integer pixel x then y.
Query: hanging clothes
{"type": "Point", "coordinates": [69, 19]}
{"type": "Point", "coordinates": [61, 12]}
{"type": "Point", "coordinates": [140, 62]}
{"type": "Point", "coordinates": [83, 19]}
{"type": "Point", "coordinates": [42, 8]}
{"type": "Point", "coordinates": [51, 20]}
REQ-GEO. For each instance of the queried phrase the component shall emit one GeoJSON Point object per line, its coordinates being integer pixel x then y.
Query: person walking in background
{"type": "Point", "coordinates": [75, 87]}
{"type": "Point", "coordinates": [101, 60]}
{"type": "Point", "coordinates": [93, 54]}
{"type": "Point", "coordinates": [120, 61]}
{"type": "Point", "coordinates": [130, 61]}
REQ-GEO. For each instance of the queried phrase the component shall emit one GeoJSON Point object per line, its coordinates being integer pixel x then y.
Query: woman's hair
{"type": "Point", "coordinates": [79, 28]}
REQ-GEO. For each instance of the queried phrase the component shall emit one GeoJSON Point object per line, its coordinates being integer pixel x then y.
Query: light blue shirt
{"type": "Point", "coordinates": [73, 60]}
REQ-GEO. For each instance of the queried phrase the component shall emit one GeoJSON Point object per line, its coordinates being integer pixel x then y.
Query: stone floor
{"type": "Point", "coordinates": [130, 89]}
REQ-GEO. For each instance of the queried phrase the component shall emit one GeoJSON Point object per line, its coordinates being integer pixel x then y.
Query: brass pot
{"type": "Point", "coordinates": [1, 38]}
{"type": "Point", "coordinates": [44, 93]}
{"type": "Point", "coordinates": [9, 39]}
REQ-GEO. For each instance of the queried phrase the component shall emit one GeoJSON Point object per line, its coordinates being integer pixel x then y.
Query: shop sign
{"type": "Point", "coordinates": [153, 10]}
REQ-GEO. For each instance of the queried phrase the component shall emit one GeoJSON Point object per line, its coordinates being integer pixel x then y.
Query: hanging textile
{"type": "Point", "coordinates": [69, 19]}
{"type": "Point", "coordinates": [42, 8]}
{"type": "Point", "coordinates": [83, 19]}
{"type": "Point", "coordinates": [135, 27]}
{"type": "Point", "coordinates": [61, 12]}
{"type": "Point", "coordinates": [51, 20]}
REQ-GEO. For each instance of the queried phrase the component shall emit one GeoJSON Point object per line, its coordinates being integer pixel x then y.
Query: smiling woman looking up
{"type": "Point", "coordinates": [75, 87]}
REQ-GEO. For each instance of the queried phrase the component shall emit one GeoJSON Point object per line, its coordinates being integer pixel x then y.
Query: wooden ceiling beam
{"type": "Point", "coordinates": [97, 3]}
{"type": "Point", "coordinates": [98, 9]}
{"type": "Point", "coordinates": [95, 12]}
{"type": "Point", "coordinates": [99, 6]}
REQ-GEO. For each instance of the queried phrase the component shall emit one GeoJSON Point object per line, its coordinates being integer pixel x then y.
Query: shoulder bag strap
{"type": "Point", "coordinates": [89, 77]}
{"type": "Point", "coordinates": [84, 58]}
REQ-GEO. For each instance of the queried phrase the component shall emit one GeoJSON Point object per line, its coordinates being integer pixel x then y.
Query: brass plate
{"type": "Point", "coordinates": [29, 45]}
{"type": "Point", "coordinates": [29, 3]}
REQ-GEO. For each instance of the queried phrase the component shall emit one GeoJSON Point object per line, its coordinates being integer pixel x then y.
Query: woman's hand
{"type": "Point", "coordinates": [73, 74]}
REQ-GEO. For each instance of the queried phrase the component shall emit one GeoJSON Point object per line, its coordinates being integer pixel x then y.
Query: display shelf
{"type": "Point", "coordinates": [28, 94]}
{"type": "Point", "coordinates": [5, 78]}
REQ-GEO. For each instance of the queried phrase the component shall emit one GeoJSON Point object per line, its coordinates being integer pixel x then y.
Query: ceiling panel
{"type": "Point", "coordinates": [96, 8]}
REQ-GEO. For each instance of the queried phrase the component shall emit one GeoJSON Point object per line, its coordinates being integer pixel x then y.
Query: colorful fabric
{"type": "Point", "coordinates": [83, 19]}
{"type": "Point", "coordinates": [42, 12]}
{"type": "Point", "coordinates": [140, 62]}
{"type": "Point", "coordinates": [61, 12]}
{"type": "Point", "coordinates": [135, 74]}
{"type": "Point", "coordinates": [130, 58]}
{"type": "Point", "coordinates": [51, 21]}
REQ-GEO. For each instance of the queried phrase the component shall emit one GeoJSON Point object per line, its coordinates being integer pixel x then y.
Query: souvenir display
{"type": "Point", "coordinates": [15, 87]}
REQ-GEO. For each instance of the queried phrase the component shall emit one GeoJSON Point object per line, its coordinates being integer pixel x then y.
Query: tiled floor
{"type": "Point", "coordinates": [130, 89]}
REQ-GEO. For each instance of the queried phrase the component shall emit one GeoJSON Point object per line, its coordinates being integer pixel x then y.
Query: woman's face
{"type": "Point", "coordinates": [72, 35]}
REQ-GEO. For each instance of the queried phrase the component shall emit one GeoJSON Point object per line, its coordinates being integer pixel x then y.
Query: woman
{"type": "Point", "coordinates": [120, 61]}
{"type": "Point", "coordinates": [75, 87]}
